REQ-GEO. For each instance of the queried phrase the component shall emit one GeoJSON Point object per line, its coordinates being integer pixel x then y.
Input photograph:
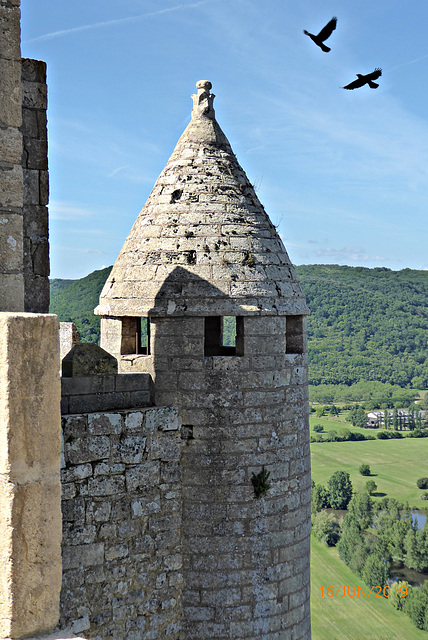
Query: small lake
{"type": "Point", "coordinates": [420, 516]}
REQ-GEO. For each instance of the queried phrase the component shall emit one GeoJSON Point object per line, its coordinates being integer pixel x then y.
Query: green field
{"type": "Point", "coordinates": [336, 424]}
{"type": "Point", "coordinates": [395, 465]}
{"type": "Point", "coordinates": [346, 618]}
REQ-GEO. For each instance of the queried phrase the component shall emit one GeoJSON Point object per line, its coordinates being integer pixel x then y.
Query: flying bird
{"type": "Point", "coordinates": [323, 34]}
{"type": "Point", "coordinates": [365, 79]}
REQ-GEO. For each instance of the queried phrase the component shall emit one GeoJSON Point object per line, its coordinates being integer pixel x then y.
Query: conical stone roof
{"type": "Point", "coordinates": [203, 243]}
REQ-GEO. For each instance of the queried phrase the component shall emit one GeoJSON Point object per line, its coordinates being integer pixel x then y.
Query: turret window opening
{"type": "Point", "coordinates": [135, 336]}
{"type": "Point", "coordinates": [294, 334]}
{"type": "Point", "coordinates": [224, 336]}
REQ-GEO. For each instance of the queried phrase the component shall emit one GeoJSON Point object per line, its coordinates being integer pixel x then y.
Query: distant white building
{"type": "Point", "coordinates": [377, 418]}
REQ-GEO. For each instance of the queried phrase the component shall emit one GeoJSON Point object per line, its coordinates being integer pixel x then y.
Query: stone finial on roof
{"type": "Point", "coordinates": [203, 100]}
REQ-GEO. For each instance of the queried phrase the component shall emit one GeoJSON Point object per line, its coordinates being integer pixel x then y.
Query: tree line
{"type": "Point", "coordinates": [365, 324]}
{"type": "Point", "coordinates": [372, 536]}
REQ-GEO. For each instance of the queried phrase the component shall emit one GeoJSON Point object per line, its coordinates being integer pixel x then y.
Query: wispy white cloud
{"type": "Point", "coordinates": [407, 64]}
{"type": "Point", "coordinates": [67, 211]}
{"type": "Point", "coordinates": [110, 23]}
{"type": "Point", "coordinates": [113, 173]}
{"type": "Point", "coordinates": [353, 254]}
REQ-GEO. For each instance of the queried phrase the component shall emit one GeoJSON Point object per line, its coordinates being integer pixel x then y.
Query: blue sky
{"type": "Point", "coordinates": [343, 173]}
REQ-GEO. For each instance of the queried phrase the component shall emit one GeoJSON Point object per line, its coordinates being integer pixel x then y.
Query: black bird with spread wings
{"type": "Point", "coordinates": [323, 34]}
{"type": "Point", "coordinates": [365, 79]}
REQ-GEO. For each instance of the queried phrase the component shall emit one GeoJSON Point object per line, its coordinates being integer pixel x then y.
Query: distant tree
{"type": "Point", "coordinates": [326, 528]}
{"type": "Point", "coordinates": [364, 469]}
{"type": "Point", "coordinates": [358, 417]}
{"type": "Point", "coordinates": [340, 489]}
{"type": "Point", "coordinates": [320, 498]}
{"type": "Point", "coordinates": [415, 605]}
{"type": "Point", "coordinates": [318, 428]}
{"type": "Point", "coordinates": [416, 549]}
{"type": "Point", "coordinates": [422, 483]}
{"type": "Point", "coordinates": [376, 570]}
{"type": "Point", "coordinates": [386, 418]}
{"type": "Point", "coordinates": [361, 507]}
{"type": "Point", "coordinates": [370, 487]}
{"type": "Point", "coordinates": [395, 418]}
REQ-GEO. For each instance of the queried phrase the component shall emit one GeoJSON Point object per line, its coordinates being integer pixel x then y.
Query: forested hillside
{"type": "Point", "coordinates": [76, 301]}
{"type": "Point", "coordinates": [365, 324]}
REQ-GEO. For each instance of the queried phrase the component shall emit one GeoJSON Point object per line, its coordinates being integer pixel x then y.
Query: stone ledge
{"type": "Point", "coordinates": [60, 635]}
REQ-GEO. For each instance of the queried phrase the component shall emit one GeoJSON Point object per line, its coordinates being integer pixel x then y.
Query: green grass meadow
{"type": "Point", "coordinates": [337, 423]}
{"type": "Point", "coordinates": [346, 618]}
{"type": "Point", "coordinates": [395, 466]}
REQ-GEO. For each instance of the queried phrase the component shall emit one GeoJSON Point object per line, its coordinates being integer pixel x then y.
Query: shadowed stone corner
{"type": "Point", "coordinates": [87, 359]}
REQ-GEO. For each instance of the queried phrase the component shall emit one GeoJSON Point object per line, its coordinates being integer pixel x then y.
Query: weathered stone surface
{"type": "Point", "coordinates": [198, 240]}
{"type": "Point", "coordinates": [68, 337]}
{"type": "Point", "coordinates": [10, 30]}
{"type": "Point", "coordinates": [122, 526]}
{"type": "Point", "coordinates": [11, 242]}
{"type": "Point", "coordinates": [10, 83]}
{"type": "Point", "coordinates": [10, 145]}
{"type": "Point", "coordinates": [30, 520]}
{"type": "Point", "coordinates": [88, 359]}
{"type": "Point", "coordinates": [12, 292]}
{"type": "Point", "coordinates": [11, 186]}
{"type": "Point", "coordinates": [34, 163]}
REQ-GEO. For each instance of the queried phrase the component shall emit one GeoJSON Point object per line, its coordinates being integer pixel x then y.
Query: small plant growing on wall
{"type": "Point", "coordinates": [260, 482]}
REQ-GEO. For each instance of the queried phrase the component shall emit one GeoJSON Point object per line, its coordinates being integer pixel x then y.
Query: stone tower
{"type": "Point", "coordinates": [202, 258]}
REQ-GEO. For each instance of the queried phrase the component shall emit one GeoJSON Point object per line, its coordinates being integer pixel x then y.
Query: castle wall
{"type": "Point", "coordinates": [121, 505]}
{"type": "Point", "coordinates": [24, 253]}
{"type": "Point", "coordinates": [30, 491]}
{"type": "Point", "coordinates": [36, 186]}
{"type": "Point", "coordinates": [104, 393]}
{"type": "Point", "coordinates": [246, 560]}
{"type": "Point", "coordinates": [11, 146]}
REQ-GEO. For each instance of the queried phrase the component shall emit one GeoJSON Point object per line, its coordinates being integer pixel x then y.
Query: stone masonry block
{"type": "Point", "coordinates": [132, 382]}
{"type": "Point", "coordinates": [37, 293]}
{"type": "Point", "coordinates": [36, 222]}
{"type": "Point", "coordinates": [11, 242]}
{"type": "Point", "coordinates": [162, 419]}
{"type": "Point", "coordinates": [87, 555]}
{"type": "Point", "coordinates": [30, 463]}
{"type": "Point", "coordinates": [10, 32]}
{"type": "Point", "coordinates": [33, 391]}
{"type": "Point", "coordinates": [104, 423]}
{"type": "Point", "coordinates": [10, 92]}
{"type": "Point", "coordinates": [130, 449]}
{"type": "Point", "coordinates": [30, 125]}
{"type": "Point", "coordinates": [33, 70]}
{"type": "Point", "coordinates": [31, 181]}
{"type": "Point", "coordinates": [10, 145]}
{"type": "Point", "coordinates": [137, 399]}
{"type": "Point", "coordinates": [87, 359]}
{"type": "Point", "coordinates": [34, 95]}
{"type": "Point", "coordinates": [35, 154]}
{"type": "Point", "coordinates": [84, 385]}
{"type": "Point", "coordinates": [81, 450]}
{"type": "Point", "coordinates": [11, 190]}
{"type": "Point", "coordinates": [44, 188]}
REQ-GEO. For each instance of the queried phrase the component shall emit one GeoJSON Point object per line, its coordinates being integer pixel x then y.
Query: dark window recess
{"type": "Point", "coordinates": [135, 336]}
{"type": "Point", "coordinates": [294, 334]}
{"type": "Point", "coordinates": [224, 336]}
{"type": "Point", "coordinates": [187, 432]}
